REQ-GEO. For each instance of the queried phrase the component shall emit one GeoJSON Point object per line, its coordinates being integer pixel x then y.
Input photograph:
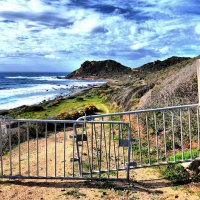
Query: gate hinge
{"type": "Point", "coordinates": [132, 164]}
{"type": "Point", "coordinates": [74, 159]}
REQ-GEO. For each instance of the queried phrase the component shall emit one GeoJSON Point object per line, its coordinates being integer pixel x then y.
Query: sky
{"type": "Point", "coordinates": [59, 35]}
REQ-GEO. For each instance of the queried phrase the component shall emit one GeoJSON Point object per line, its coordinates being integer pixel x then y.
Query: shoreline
{"type": "Point", "coordinates": [74, 94]}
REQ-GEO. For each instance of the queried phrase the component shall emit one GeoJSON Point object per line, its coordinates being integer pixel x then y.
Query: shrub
{"type": "Point", "coordinates": [175, 173]}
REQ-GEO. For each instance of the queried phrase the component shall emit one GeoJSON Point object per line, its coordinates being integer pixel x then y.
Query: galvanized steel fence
{"type": "Point", "coordinates": [100, 146]}
{"type": "Point", "coordinates": [160, 136]}
{"type": "Point", "coordinates": [64, 149]}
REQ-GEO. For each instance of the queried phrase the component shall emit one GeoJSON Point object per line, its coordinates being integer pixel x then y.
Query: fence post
{"type": "Point", "coordinates": [129, 153]}
{"type": "Point", "coordinates": [198, 79]}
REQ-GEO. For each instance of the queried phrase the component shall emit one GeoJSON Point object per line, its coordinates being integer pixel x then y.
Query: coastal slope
{"type": "Point", "coordinates": [157, 84]}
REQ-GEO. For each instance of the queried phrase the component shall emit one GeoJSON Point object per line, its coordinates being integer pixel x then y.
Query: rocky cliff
{"type": "Point", "coordinates": [100, 69]}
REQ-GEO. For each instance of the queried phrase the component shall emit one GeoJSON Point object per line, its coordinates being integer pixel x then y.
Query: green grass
{"type": "Point", "coordinates": [186, 155]}
{"type": "Point", "coordinates": [68, 105]}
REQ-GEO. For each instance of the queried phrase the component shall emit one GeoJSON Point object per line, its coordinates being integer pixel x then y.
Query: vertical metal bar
{"type": "Point", "coordinates": [46, 140]}
{"type": "Point", "coordinates": [101, 129]}
{"type": "Point", "coordinates": [73, 152]}
{"type": "Point", "coordinates": [198, 130]}
{"type": "Point", "coordinates": [55, 155]}
{"type": "Point", "coordinates": [96, 146]}
{"type": "Point", "coordinates": [115, 157]}
{"type": "Point", "coordinates": [1, 147]}
{"type": "Point", "coordinates": [88, 152]}
{"type": "Point", "coordinates": [118, 152]}
{"type": "Point", "coordinates": [64, 150]}
{"type": "Point", "coordinates": [28, 146]}
{"type": "Point", "coordinates": [92, 145]}
{"type": "Point", "coordinates": [156, 132]}
{"type": "Point", "coordinates": [129, 118]}
{"type": "Point", "coordinates": [148, 139]}
{"type": "Point", "coordinates": [78, 154]}
{"type": "Point", "coordinates": [109, 145]}
{"type": "Point", "coordinates": [81, 156]}
{"type": "Point", "coordinates": [129, 153]}
{"type": "Point", "coordinates": [173, 135]}
{"type": "Point", "coordinates": [10, 148]}
{"type": "Point", "coordinates": [121, 117]}
{"type": "Point", "coordinates": [105, 145]}
{"type": "Point", "coordinates": [19, 150]}
{"type": "Point", "coordinates": [181, 128]}
{"type": "Point", "coordinates": [190, 134]}
{"type": "Point", "coordinates": [139, 138]}
{"type": "Point", "coordinates": [165, 138]}
{"type": "Point", "coordinates": [37, 147]}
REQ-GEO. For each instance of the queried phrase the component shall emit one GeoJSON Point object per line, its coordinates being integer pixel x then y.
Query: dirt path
{"type": "Point", "coordinates": [145, 183]}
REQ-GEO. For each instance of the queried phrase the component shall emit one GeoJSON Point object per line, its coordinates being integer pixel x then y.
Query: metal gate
{"type": "Point", "coordinates": [160, 136]}
{"type": "Point", "coordinates": [48, 149]}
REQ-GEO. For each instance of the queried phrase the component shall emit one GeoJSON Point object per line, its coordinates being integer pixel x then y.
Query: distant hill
{"type": "Point", "coordinates": [100, 69]}
{"type": "Point", "coordinates": [159, 65]}
{"type": "Point", "coordinates": [161, 83]}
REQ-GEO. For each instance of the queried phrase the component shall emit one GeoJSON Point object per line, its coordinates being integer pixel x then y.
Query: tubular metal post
{"type": "Point", "coordinates": [10, 148]}
{"type": "Point", "coordinates": [46, 140]}
{"type": "Point", "coordinates": [109, 142]}
{"type": "Point", "coordinates": [139, 137]}
{"type": "Point", "coordinates": [165, 139]}
{"type": "Point", "coordinates": [1, 147]}
{"type": "Point", "coordinates": [129, 153]}
{"type": "Point", "coordinates": [148, 139]}
{"type": "Point", "coordinates": [181, 127]}
{"type": "Point", "coordinates": [88, 152]}
{"type": "Point", "coordinates": [78, 155]}
{"type": "Point", "coordinates": [156, 132]}
{"type": "Point", "coordinates": [190, 134]}
{"type": "Point", "coordinates": [96, 146]}
{"type": "Point", "coordinates": [55, 157]}
{"type": "Point", "coordinates": [37, 147]}
{"type": "Point", "coordinates": [19, 150]}
{"type": "Point", "coordinates": [105, 145]}
{"type": "Point", "coordinates": [28, 147]}
{"type": "Point", "coordinates": [64, 150]}
{"type": "Point", "coordinates": [173, 136]}
{"type": "Point", "coordinates": [198, 131]}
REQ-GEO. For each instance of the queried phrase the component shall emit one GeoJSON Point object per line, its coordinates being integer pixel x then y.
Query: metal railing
{"type": "Point", "coordinates": [160, 136]}
{"type": "Point", "coordinates": [59, 149]}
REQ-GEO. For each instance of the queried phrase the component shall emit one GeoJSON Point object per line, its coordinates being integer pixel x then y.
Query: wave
{"type": "Point", "coordinates": [31, 100]}
{"type": "Point", "coordinates": [36, 93]}
{"type": "Point", "coordinates": [38, 78]}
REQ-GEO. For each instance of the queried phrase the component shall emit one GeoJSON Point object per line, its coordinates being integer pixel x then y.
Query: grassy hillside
{"type": "Point", "coordinates": [173, 84]}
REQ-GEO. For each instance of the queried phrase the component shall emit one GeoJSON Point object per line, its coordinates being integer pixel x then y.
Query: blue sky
{"type": "Point", "coordinates": [58, 35]}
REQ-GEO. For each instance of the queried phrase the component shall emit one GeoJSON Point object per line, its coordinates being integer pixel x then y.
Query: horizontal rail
{"type": "Point", "coordinates": [61, 121]}
{"type": "Point", "coordinates": [141, 111]}
{"type": "Point", "coordinates": [63, 178]}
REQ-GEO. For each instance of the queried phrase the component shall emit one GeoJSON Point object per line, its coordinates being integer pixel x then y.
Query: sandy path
{"type": "Point", "coordinates": [146, 184]}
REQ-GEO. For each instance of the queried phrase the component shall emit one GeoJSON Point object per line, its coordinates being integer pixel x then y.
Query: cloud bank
{"type": "Point", "coordinates": [65, 33]}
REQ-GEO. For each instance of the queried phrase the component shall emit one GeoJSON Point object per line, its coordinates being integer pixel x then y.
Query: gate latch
{"type": "Point", "coordinates": [82, 137]}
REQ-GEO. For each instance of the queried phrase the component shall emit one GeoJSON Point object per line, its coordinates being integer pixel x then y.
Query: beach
{"type": "Point", "coordinates": [19, 89]}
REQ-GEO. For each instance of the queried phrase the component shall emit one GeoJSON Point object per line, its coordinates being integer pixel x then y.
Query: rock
{"type": "Point", "coordinates": [195, 166]}
{"type": "Point", "coordinates": [106, 68]}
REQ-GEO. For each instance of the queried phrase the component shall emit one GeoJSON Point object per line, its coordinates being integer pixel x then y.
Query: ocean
{"type": "Point", "coordinates": [17, 89]}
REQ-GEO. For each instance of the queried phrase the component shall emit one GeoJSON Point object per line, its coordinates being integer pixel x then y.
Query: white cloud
{"type": "Point", "coordinates": [139, 45]}
{"type": "Point", "coordinates": [55, 30]}
{"type": "Point", "coordinates": [164, 50]}
{"type": "Point", "coordinates": [52, 56]}
{"type": "Point", "coordinates": [197, 28]}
